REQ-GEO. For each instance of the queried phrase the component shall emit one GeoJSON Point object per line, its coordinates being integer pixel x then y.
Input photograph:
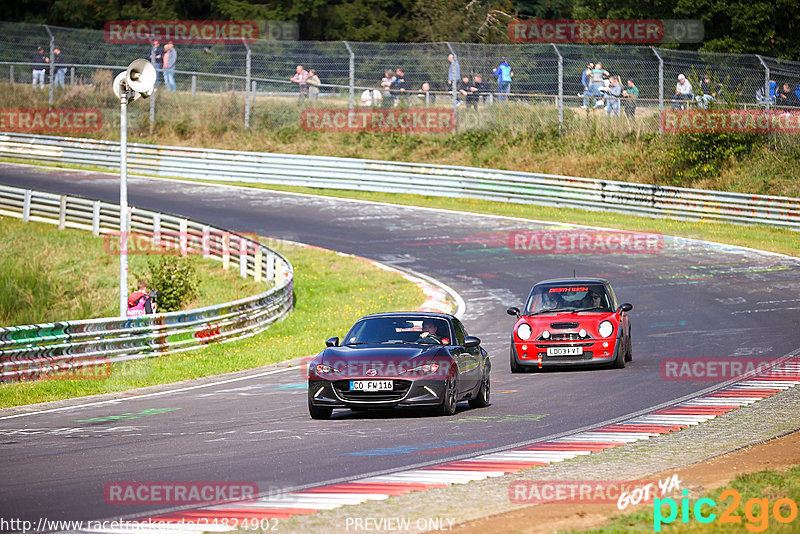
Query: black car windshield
{"type": "Point", "coordinates": [398, 330]}
{"type": "Point", "coordinates": [568, 297]}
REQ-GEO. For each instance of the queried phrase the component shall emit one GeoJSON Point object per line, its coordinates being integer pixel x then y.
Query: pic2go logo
{"type": "Point", "coordinates": [756, 511]}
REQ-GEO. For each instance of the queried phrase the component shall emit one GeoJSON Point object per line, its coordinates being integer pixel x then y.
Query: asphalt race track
{"type": "Point", "coordinates": [690, 300]}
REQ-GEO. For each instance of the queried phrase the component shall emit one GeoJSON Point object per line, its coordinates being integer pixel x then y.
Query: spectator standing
{"type": "Point", "coordinates": [301, 79]}
{"type": "Point", "coordinates": [170, 60]}
{"type": "Point", "coordinates": [597, 73]}
{"type": "Point", "coordinates": [386, 84]}
{"type": "Point", "coordinates": [453, 72]}
{"type": "Point", "coordinates": [141, 302]}
{"type": "Point", "coordinates": [39, 60]}
{"type": "Point", "coordinates": [156, 56]}
{"type": "Point", "coordinates": [504, 75]}
{"type": "Point", "coordinates": [631, 94]}
{"type": "Point", "coordinates": [476, 89]}
{"type": "Point", "coordinates": [613, 92]}
{"type": "Point", "coordinates": [61, 70]}
{"type": "Point", "coordinates": [399, 86]}
{"type": "Point", "coordinates": [683, 92]}
{"type": "Point", "coordinates": [313, 82]}
{"type": "Point", "coordinates": [586, 82]}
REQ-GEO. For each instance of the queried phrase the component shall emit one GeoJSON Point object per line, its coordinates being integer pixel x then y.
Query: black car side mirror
{"type": "Point", "coordinates": [332, 342]}
{"type": "Point", "coordinates": [513, 310]}
{"type": "Point", "coordinates": [626, 307]}
{"type": "Point", "coordinates": [471, 342]}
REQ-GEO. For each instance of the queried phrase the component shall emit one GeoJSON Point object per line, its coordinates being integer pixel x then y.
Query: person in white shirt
{"type": "Point", "coordinates": [683, 92]}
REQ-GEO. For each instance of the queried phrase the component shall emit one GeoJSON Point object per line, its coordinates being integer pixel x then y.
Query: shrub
{"type": "Point", "coordinates": [175, 279]}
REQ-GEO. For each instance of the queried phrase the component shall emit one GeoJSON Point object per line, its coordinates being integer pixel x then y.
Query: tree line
{"type": "Point", "coordinates": [768, 27]}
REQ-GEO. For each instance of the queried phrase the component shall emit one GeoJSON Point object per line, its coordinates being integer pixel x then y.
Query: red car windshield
{"type": "Point", "coordinates": [568, 298]}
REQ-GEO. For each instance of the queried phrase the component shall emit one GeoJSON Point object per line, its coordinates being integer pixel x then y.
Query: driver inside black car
{"type": "Point", "coordinates": [430, 333]}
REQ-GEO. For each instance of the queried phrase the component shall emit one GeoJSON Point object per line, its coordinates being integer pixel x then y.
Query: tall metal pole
{"type": "Point", "coordinates": [352, 75]}
{"type": "Point", "coordinates": [454, 91]}
{"type": "Point", "coordinates": [247, 88]}
{"type": "Point", "coordinates": [123, 204]}
{"type": "Point", "coordinates": [560, 89]}
{"type": "Point", "coordinates": [52, 60]}
{"type": "Point", "coordinates": [766, 80]}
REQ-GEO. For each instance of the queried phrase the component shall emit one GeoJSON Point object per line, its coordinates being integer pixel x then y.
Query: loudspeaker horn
{"type": "Point", "coordinates": [141, 77]}
{"type": "Point", "coordinates": [120, 86]}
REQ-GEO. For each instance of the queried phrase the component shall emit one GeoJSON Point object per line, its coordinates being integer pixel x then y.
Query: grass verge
{"type": "Point", "coordinates": [43, 275]}
{"type": "Point", "coordinates": [331, 292]}
{"type": "Point", "coordinates": [747, 504]}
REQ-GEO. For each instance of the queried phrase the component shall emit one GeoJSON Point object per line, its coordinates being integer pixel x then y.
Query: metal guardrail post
{"type": "Point", "coordinates": [766, 81]}
{"type": "Point", "coordinates": [11, 75]}
{"type": "Point", "coordinates": [52, 61]}
{"type": "Point", "coordinates": [26, 206]}
{"type": "Point", "coordinates": [96, 217]}
{"type": "Point", "coordinates": [72, 76]}
{"type": "Point", "coordinates": [454, 90]}
{"type": "Point", "coordinates": [62, 212]}
{"type": "Point", "coordinates": [247, 87]}
{"type": "Point", "coordinates": [560, 101]}
{"type": "Point", "coordinates": [194, 84]}
{"type": "Point", "coordinates": [352, 82]}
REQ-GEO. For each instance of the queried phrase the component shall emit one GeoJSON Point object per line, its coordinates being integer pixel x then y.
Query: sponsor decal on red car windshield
{"type": "Point", "coordinates": [567, 289]}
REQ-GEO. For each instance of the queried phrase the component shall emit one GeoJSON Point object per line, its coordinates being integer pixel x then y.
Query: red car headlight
{"type": "Point", "coordinates": [524, 331]}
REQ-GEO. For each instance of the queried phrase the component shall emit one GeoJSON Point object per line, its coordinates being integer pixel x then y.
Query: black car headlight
{"type": "Point", "coordinates": [425, 368]}
{"type": "Point", "coordinates": [322, 369]}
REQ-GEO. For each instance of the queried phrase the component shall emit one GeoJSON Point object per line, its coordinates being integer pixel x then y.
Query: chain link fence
{"type": "Point", "coordinates": [239, 85]}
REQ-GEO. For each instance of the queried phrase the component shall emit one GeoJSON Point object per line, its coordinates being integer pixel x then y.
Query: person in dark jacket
{"type": "Point", "coordinates": [61, 70]}
{"type": "Point", "coordinates": [39, 60]}
{"type": "Point", "coordinates": [399, 87]}
{"type": "Point", "coordinates": [477, 88]}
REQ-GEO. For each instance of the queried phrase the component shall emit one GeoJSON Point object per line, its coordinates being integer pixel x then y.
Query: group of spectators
{"type": "Point", "coordinates": [41, 64]}
{"type": "Point", "coordinates": [164, 60]}
{"type": "Point", "coordinates": [606, 90]}
{"type": "Point", "coordinates": [307, 81]}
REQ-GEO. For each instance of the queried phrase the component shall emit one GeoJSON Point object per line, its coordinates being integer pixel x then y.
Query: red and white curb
{"type": "Point", "coordinates": [225, 517]}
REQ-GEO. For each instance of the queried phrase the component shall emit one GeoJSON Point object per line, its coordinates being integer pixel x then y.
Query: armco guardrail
{"type": "Point", "coordinates": [72, 348]}
{"type": "Point", "coordinates": [397, 177]}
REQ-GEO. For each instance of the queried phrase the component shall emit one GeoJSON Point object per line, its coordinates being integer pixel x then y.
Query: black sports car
{"type": "Point", "coordinates": [400, 359]}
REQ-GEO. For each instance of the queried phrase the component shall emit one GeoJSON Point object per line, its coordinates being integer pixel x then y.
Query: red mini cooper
{"type": "Point", "coordinates": [571, 321]}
